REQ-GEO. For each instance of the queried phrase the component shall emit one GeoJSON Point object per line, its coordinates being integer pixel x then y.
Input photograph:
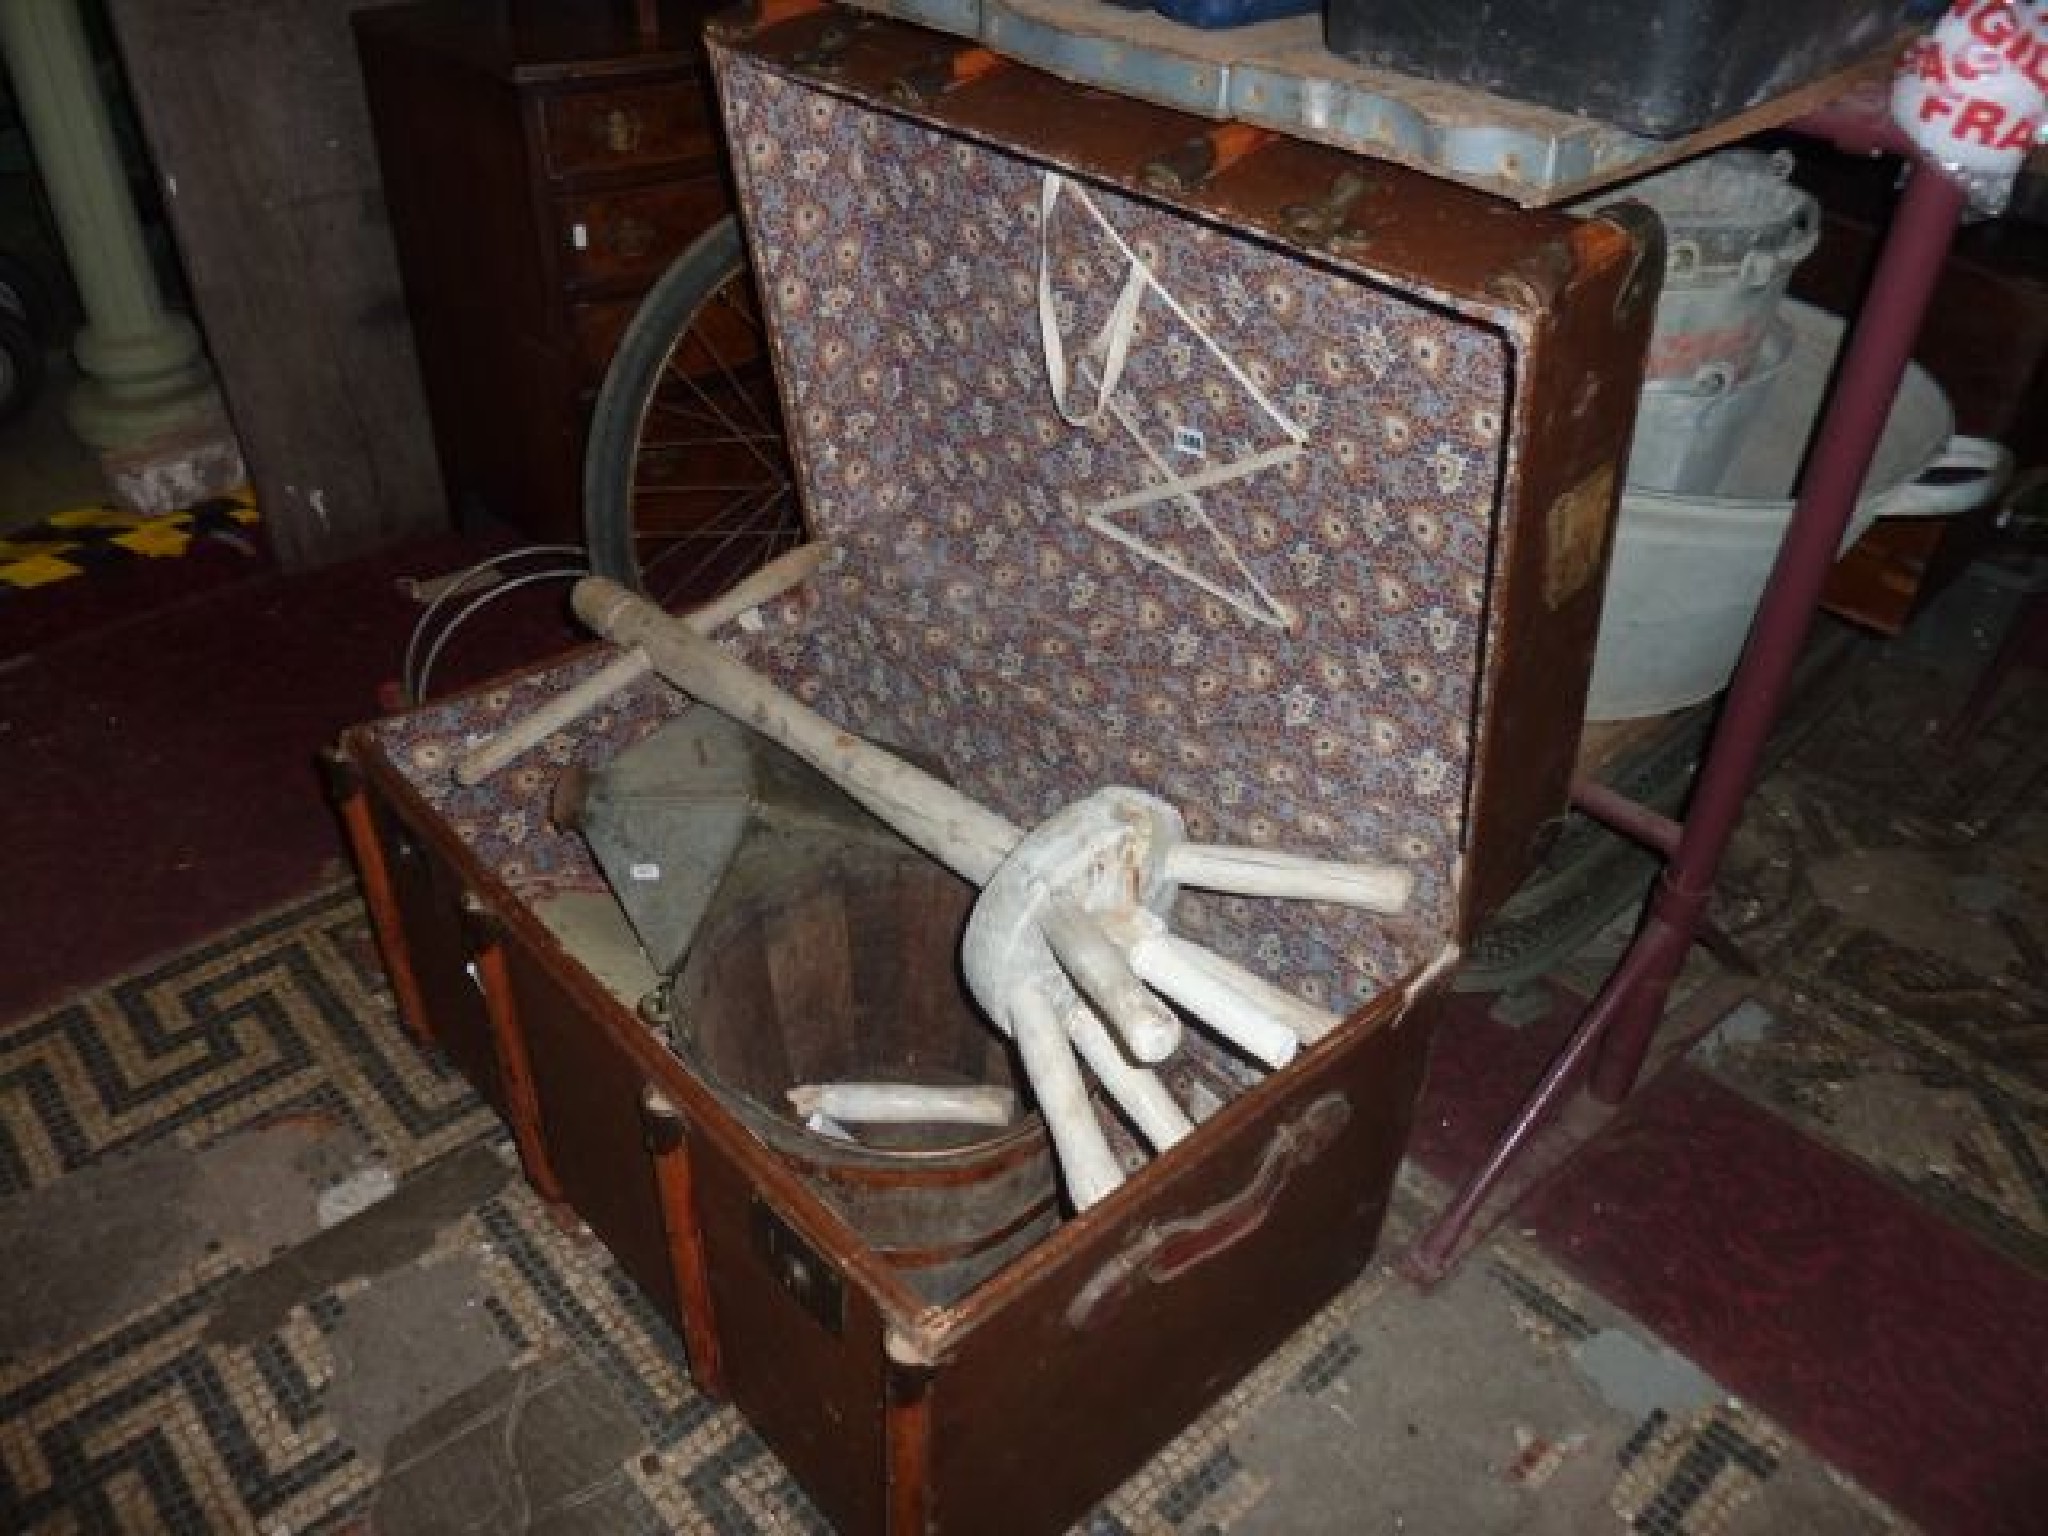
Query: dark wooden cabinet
{"type": "Point", "coordinates": [543, 164]}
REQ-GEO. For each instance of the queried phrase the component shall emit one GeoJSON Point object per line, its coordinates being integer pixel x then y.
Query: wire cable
{"type": "Point", "coordinates": [455, 586]}
{"type": "Point", "coordinates": [481, 601]}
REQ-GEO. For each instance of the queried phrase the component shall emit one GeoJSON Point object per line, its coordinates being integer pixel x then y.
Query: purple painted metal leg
{"type": "Point", "coordinates": [1878, 350]}
{"type": "Point", "coordinates": [1616, 812]}
{"type": "Point", "coordinates": [1622, 1019]}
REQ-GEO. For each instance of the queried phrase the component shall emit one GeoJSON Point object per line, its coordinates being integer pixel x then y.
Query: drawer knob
{"type": "Point", "coordinates": [619, 131]}
{"type": "Point", "coordinates": [632, 238]}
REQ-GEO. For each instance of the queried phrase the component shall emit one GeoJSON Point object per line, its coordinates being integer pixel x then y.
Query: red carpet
{"type": "Point", "coordinates": [1480, 1071]}
{"type": "Point", "coordinates": [114, 595]}
{"type": "Point", "coordinates": [158, 736]}
{"type": "Point", "coordinates": [1902, 1349]}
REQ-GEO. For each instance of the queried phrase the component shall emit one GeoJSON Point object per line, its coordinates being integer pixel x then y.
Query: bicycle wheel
{"type": "Point", "coordinates": [686, 481]}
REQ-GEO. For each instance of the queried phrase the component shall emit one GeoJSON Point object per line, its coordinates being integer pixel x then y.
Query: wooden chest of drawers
{"type": "Point", "coordinates": [543, 164]}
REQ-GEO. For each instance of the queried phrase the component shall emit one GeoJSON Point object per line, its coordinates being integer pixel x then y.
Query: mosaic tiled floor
{"type": "Point", "coordinates": [1892, 884]}
{"type": "Point", "coordinates": [451, 1356]}
{"type": "Point", "coordinates": [1835, 1199]}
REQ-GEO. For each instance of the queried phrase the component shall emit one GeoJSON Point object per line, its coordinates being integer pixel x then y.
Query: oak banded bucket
{"type": "Point", "coordinates": [828, 958]}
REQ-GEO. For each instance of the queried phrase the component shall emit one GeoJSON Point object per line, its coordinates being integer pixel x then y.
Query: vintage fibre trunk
{"type": "Point", "coordinates": [1270, 481]}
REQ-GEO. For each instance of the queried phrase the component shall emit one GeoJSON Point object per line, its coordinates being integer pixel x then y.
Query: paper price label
{"type": "Point", "coordinates": [1973, 93]}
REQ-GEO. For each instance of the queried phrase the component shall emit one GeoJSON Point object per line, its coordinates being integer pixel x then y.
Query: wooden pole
{"type": "Point", "coordinates": [785, 572]}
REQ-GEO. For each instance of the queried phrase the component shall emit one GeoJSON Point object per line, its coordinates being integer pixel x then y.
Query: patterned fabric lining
{"type": "Point", "coordinates": [974, 614]}
{"type": "Point", "coordinates": [504, 820]}
{"type": "Point", "coordinates": [978, 617]}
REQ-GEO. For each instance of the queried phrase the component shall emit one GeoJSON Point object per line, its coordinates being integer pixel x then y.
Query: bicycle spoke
{"type": "Point", "coordinates": [752, 487]}
{"type": "Point", "coordinates": [725, 420]}
{"type": "Point", "coordinates": [743, 499]}
{"type": "Point", "coordinates": [652, 445]}
{"type": "Point", "coordinates": [693, 487]}
{"type": "Point", "coordinates": [751, 503]}
{"type": "Point", "coordinates": [702, 550]}
{"type": "Point", "coordinates": [704, 340]}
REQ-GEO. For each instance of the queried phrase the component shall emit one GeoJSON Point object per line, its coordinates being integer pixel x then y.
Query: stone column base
{"type": "Point", "coordinates": [176, 469]}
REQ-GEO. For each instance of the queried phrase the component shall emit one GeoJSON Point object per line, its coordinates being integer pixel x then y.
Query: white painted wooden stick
{"type": "Point", "coordinates": [766, 582]}
{"type": "Point", "coordinates": [1308, 1022]}
{"type": "Point", "coordinates": [1382, 888]}
{"type": "Point", "coordinates": [1149, 1028]}
{"type": "Point", "coordinates": [1087, 1166]}
{"type": "Point", "coordinates": [1445, 962]}
{"type": "Point", "coordinates": [965, 837]}
{"type": "Point", "coordinates": [787, 570]}
{"type": "Point", "coordinates": [563, 709]}
{"type": "Point", "coordinates": [1163, 962]}
{"type": "Point", "coordinates": [906, 1103]}
{"type": "Point", "coordinates": [1136, 1090]}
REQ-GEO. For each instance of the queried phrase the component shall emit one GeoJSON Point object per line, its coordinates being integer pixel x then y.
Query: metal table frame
{"type": "Point", "coordinates": [1613, 1035]}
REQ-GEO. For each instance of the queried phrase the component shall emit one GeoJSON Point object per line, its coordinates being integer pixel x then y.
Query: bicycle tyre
{"type": "Point", "coordinates": [686, 479]}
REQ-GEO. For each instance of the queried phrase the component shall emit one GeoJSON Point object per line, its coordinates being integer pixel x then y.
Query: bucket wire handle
{"type": "Point", "coordinates": [1759, 266]}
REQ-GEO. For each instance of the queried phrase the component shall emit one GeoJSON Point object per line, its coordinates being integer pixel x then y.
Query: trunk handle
{"type": "Point", "coordinates": [1164, 1251]}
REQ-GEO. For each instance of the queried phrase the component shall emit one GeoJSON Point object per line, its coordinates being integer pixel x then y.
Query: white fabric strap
{"type": "Point", "coordinates": [1176, 484]}
{"type": "Point", "coordinates": [1253, 601]}
{"type": "Point", "coordinates": [1048, 198]}
{"type": "Point", "coordinates": [1101, 362]}
{"type": "Point", "coordinates": [1109, 346]}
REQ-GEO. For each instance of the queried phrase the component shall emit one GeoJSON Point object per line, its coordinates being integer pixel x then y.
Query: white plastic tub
{"type": "Point", "coordinates": [1688, 570]}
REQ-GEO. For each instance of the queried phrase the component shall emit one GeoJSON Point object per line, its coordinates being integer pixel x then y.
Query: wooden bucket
{"type": "Point", "coordinates": [833, 958]}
